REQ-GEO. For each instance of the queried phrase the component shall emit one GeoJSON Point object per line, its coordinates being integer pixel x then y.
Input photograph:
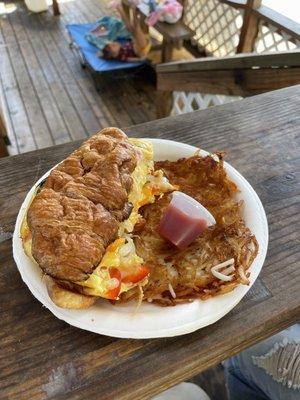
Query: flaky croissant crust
{"type": "Point", "coordinates": [76, 214]}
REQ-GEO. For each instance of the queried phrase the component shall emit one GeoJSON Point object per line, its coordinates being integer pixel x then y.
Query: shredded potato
{"type": "Point", "coordinates": [181, 276]}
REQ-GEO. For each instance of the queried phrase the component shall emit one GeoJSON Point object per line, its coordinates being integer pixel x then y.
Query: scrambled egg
{"type": "Point", "coordinates": [138, 196]}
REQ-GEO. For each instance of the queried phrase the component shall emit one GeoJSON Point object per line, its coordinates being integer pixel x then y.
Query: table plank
{"type": "Point", "coordinates": [43, 358]}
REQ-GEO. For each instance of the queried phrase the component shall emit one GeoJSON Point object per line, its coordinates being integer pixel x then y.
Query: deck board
{"type": "Point", "coordinates": [48, 82]}
{"type": "Point", "coordinates": [83, 110]}
{"type": "Point", "coordinates": [49, 97]}
{"type": "Point", "coordinates": [8, 121]}
{"type": "Point", "coordinates": [37, 102]}
{"type": "Point", "coordinates": [63, 91]}
{"type": "Point", "coordinates": [11, 93]}
{"type": "Point", "coordinates": [78, 78]}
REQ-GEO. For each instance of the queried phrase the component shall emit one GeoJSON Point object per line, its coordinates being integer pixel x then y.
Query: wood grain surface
{"type": "Point", "coordinates": [42, 357]}
{"type": "Point", "coordinates": [244, 83]}
{"type": "Point", "coordinates": [290, 58]}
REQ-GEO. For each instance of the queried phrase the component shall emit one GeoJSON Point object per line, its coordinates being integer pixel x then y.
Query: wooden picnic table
{"type": "Point", "coordinates": [42, 357]}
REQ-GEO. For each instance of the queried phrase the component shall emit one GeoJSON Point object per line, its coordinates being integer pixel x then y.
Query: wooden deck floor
{"type": "Point", "coordinates": [50, 99]}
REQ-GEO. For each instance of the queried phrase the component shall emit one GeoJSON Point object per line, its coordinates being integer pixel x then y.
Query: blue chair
{"type": "Point", "coordinates": [88, 52]}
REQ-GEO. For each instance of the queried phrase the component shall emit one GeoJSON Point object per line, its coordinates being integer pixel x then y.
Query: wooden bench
{"type": "Point", "coordinates": [173, 34]}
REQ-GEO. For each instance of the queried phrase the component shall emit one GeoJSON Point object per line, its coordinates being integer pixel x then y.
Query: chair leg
{"type": "Point", "coordinates": [4, 139]}
{"type": "Point", "coordinates": [3, 148]}
{"type": "Point", "coordinates": [167, 51]}
{"type": "Point", "coordinates": [55, 7]}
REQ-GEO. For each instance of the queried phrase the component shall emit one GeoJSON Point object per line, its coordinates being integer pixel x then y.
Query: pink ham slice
{"type": "Point", "coordinates": [184, 220]}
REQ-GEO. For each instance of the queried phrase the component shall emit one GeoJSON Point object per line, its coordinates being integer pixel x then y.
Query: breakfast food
{"type": "Point", "coordinates": [216, 261]}
{"type": "Point", "coordinates": [79, 223]}
{"type": "Point", "coordinates": [108, 223]}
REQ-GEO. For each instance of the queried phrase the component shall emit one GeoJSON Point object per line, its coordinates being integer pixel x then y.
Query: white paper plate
{"type": "Point", "coordinates": [151, 321]}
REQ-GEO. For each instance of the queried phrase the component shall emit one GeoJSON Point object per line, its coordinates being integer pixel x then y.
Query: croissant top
{"type": "Point", "coordinates": [77, 212]}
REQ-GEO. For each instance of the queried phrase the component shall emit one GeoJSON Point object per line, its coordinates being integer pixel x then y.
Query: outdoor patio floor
{"type": "Point", "coordinates": [49, 98]}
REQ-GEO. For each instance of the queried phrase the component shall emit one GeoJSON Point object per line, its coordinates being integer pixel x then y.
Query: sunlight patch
{"type": "Point", "coordinates": [7, 8]}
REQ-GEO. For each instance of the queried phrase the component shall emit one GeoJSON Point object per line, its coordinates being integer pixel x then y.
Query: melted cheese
{"type": "Point", "coordinates": [26, 238]}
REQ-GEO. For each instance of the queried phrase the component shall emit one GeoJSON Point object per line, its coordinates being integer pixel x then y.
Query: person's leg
{"type": "Point", "coordinates": [133, 25]}
{"type": "Point", "coordinates": [183, 391]}
{"type": "Point", "coordinates": [125, 17]}
{"type": "Point", "coordinates": [269, 370]}
{"type": "Point", "coordinates": [139, 36]}
{"type": "Point", "coordinates": [240, 386]}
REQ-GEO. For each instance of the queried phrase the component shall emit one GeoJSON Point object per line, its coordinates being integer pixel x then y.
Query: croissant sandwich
{"type": "Point", "coordinates": [78, 227]}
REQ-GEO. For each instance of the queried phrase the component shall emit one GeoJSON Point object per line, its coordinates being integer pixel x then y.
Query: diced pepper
{"type": "Point", "coordinates": [113, 294]}
{"type": "Point", "coordinates": [138, 276]}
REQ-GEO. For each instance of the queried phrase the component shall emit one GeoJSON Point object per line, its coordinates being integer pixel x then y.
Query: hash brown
{"type": "Point", "coordinates": [181, 276]}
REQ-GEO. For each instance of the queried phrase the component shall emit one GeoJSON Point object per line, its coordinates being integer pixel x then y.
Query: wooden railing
{"type": "Point", "coordinates": [224, 28]}
{"type": "Point", "coordinates": [239, 75]}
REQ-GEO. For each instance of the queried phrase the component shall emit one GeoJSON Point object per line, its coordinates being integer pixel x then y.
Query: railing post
{"type": "Point", "coordinates": [164, 100]}
{"type": "Point", "coordinates": [249, 29]}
